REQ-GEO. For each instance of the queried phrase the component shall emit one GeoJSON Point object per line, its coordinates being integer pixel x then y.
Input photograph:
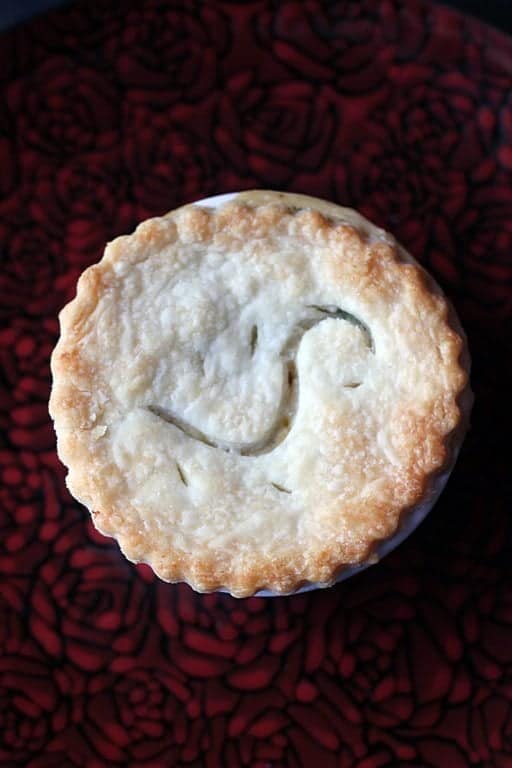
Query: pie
{"type": "Point", "coordinates": [255, 396]}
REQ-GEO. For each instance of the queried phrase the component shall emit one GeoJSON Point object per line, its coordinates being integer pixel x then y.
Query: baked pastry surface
{"type": "Point", "coordinates": [254, 397]}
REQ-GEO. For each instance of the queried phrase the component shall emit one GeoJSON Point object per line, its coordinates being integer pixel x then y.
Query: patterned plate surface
{"type": "Point", "coordinates": [111, 112]}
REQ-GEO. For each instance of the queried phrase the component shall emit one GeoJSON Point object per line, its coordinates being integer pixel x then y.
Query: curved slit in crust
{"type": "Point", "coordinates": [289, 401]}
{"type": "Point", "coordinates": [181, 474]}
{"type": "Point", "coordinates": [184, 426]}
{"type": "Point", "coordinates": [350, 318]}
{"type": "Point", "coordinates": [254, 339]}
{"type": "Point", "coordinates": [280, 488]}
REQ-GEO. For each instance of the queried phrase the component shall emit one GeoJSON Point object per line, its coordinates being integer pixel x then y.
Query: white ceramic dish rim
{"type": "Point", "coordinates": [414, 517]}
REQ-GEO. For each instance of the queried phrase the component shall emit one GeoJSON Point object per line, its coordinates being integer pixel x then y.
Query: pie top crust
{"type": "Point", "coordinates": [253, 397]}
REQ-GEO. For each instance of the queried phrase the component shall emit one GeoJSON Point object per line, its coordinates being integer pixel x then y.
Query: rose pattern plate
{"type": "Point", "coordinates": [113, 112]}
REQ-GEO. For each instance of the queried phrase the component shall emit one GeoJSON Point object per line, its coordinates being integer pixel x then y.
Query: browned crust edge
{"type": "Point", "coordinates": [242, 577]}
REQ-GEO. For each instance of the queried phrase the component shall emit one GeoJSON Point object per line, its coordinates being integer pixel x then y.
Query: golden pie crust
{"type": "Point", "coordinates": [254, 397]}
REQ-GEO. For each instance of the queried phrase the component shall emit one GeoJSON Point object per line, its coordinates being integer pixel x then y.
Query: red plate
{"type": "Point", "coordinates": [112, 112]}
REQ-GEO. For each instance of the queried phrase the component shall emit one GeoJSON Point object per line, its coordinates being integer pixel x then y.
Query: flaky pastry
{"type": "Point", "coordinates": [254, 397]}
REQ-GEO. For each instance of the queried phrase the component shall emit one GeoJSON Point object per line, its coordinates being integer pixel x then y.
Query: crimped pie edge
{"type": "Point", "coordinates": [241, 577]}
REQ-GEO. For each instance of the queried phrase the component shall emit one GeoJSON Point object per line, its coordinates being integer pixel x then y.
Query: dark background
{"type": "Point", "coordinates": [110, 115]}
{"type": "Point", "coordinates": [497, 12]}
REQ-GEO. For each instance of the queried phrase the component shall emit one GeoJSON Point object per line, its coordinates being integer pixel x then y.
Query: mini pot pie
{"type": "Point", "coordinates": [257, 396]}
